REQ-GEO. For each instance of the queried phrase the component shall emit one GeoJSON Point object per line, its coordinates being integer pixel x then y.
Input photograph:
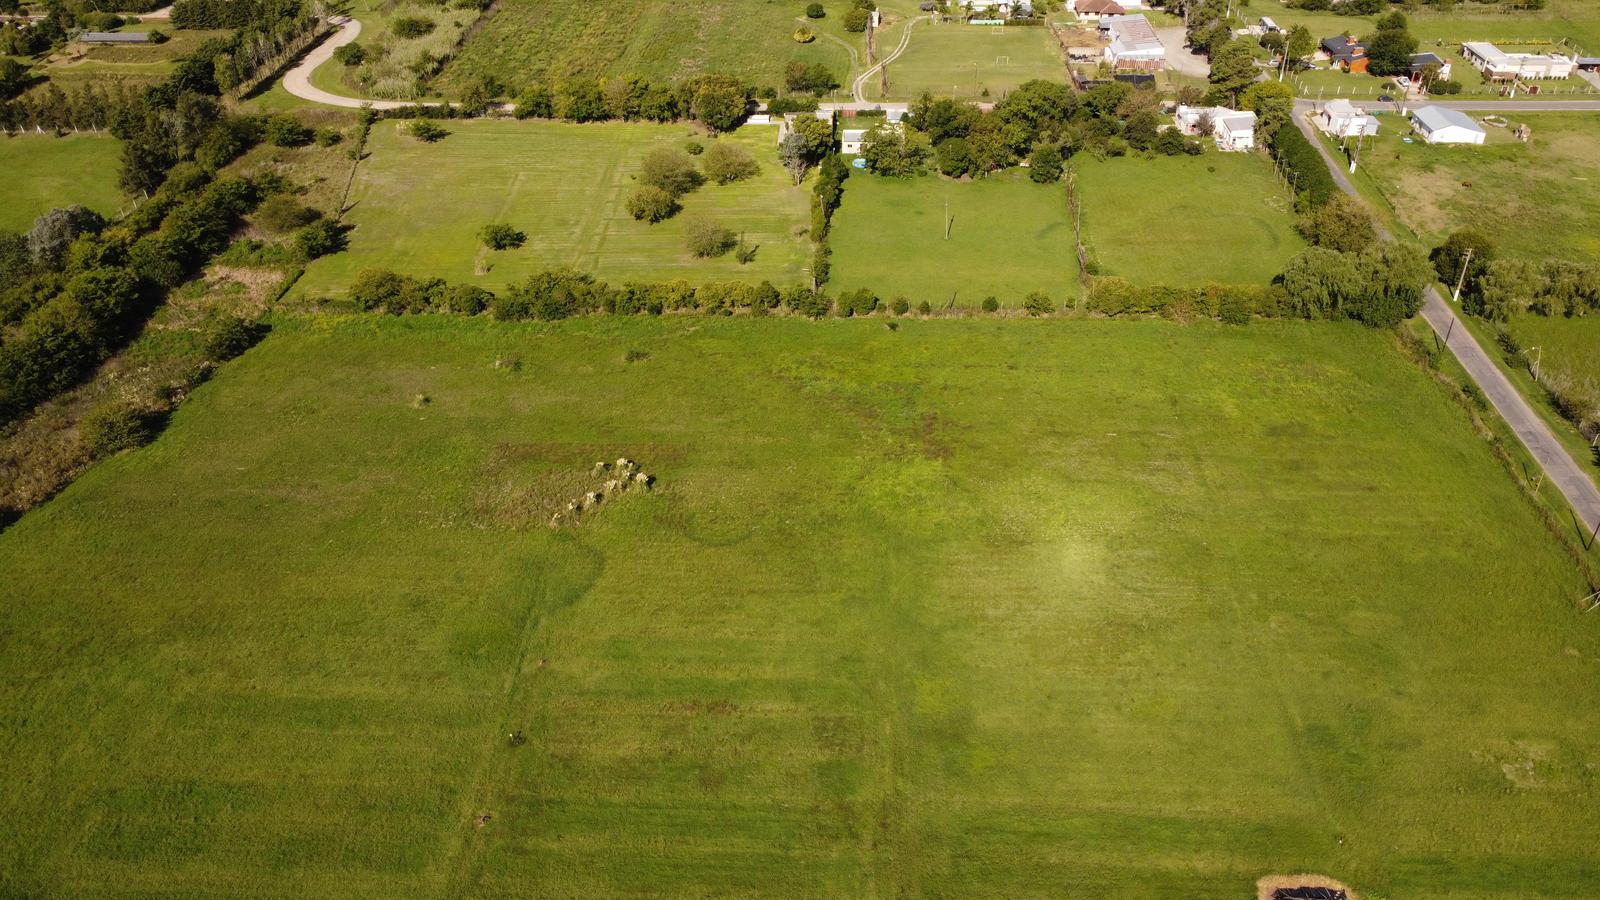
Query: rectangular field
{"type": "Point", "coordinates": [993, 608]}
{"type": "Point", "coordinates": [39, 173]}
{"type": "Point", "coordinates": [1008, 237]}
{"type": "Point", "coordinates": [1186, 220]}
{"type": "Point", "coordinates": [528, 41]}
{"type": "Point", "coordinates": [1540, 199]}
{"type": "Point", "coordinates": [418, 207]}
{"type": "Point", "coordinates": [971, 62]}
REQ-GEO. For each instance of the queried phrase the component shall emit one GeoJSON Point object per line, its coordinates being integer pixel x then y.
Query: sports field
{"type": "Point", "coordinates": [1186, 220]}
{"type": "Point", "coordinates": [39, 173]}
{"type": "Point", "coordinates": [1008, 237]}
{"type": "Point", "coordinates": [418, 207]}
{"type": "Point", "coordinates": [968, 608]}
{"type": "Point", "coordinates": [972, 62]}
{"type": "Point", "coordinates": [1540, 199]}
{"type": "Point", "coordinates": [551, 40]}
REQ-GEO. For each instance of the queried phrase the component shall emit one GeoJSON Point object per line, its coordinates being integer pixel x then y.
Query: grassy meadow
{"type": "Point", "coordinates": [417, 208]}
{"type": "Point", "coordinates": [971, 62]}
{"type": "Point", "coordinates": [1022, 609]}
{"type": "Point", "coordinates": [550, 40]}
{"type": "Point", "coordinates": [1008, 237]}
{"type": "Point", "coordinates": [43, 172]}
{"type": "Point", "coordinates": [1186, 220]}
{"type": "Point", "coordinates": [1540, 199]}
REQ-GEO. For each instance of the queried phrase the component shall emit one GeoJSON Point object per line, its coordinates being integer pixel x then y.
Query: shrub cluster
{"type": "Point", "coordinates": [1313, 185]}
{"type": "Point", "coordinates": [107, 279]}
{"type": "Point", "coordinates": [1233, 303]}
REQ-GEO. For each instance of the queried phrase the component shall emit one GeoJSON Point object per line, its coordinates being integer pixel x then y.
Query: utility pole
{"type": "Point", "coordinates": [1460, 282]}
{"type": "Point", "coordinates": [947, 218]}
{"type": "Point", "coordinates": [1537, 360]}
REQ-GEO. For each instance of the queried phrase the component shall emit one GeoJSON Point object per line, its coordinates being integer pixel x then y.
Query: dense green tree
{"type": "Point", "coordinates": [954, 157]}
{"type": "Point", "coordinates": [671, 171]}
{"type": "Point", "coordinates": [1233, 68]}
{"type": "Point", "coordinates": [894, 151]}
{"type": "Point", "coordinates": [1045, 165]}
{"type": "Point", "coordinates": [1450, 257]}
{"type": "Point", "coordinates": [1342, 224]}
{"type": "Point", "coordinates": [1273, 103]}
{"type": "Point", "coordinates": [726, 163]}
{"type": "Point", "coordinates": [721, 101]}
{"type": "Point", "coordinates": [1389, 52]}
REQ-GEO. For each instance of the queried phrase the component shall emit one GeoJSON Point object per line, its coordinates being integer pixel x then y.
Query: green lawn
{"type": "Point", "coordinates": [418, 207]}
{"type": "Point", "coordinates": [1540, 199]}
{"type": "Point", "coordinates": [550, 40]}
{"type": "Point", "coordinates": [1185, 607]}
{"type": "Point", "coordinates": [43, 172]}
{"type": "Point", "coordinates": [1186, 220]}
{"type": "Point", "coordinates": [1567, 350]}
{"type": "Point", "coordinates": [971, 62]}
{"type": "Point", "coordinates": [1008, 237]}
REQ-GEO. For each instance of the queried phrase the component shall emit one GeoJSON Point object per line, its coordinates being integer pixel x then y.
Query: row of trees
{"type": "Point", "coordinates": [720, 102]}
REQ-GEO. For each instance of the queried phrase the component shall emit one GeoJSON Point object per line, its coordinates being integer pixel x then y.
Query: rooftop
{"type": "Point", "coordinates": [1434, 118]}
{"type": "Point", "coordinates": [115, 37]}
{"type": "Point", "coordinates": [1134, 33]}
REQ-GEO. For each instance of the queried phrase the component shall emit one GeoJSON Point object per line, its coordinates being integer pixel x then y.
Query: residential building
{"type": "Point", "coordinates": [1421, 61]}
{"type": "Point", "coordinates": [1439, 125]}
{"type": "Point", "coordinates": [1134, 44]}
{"type": "Point", "coordinates": [1497, 65]}
{"type": "Point", "coordinates": [1231, 129]}
{"type": "Point", "coordinates": [1097, 10]}
{"type": "Point", "coordinates": [1346, 53]}
{"type": "Point", "coordinates": [1342, 119]}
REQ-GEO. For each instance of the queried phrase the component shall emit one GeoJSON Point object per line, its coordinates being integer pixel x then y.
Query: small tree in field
{"type": "Point", "coordinates": [671, 171]}
{"type": "Point", "coordinates": [428, 131]}
{"type": "Point", "coordinates": [856, 19]}
{"type": "Point", "coordinates": [1044, 166]}
{"type": "Point", "coordinates": [707, 236]}
{"type": "Point", "coordinates": [726, 163]}
{"type": "Point", "coordinates": [502, 237]}
{"type": "Point", "coordinates": [1038, 303]}
{"type": "Point", "coordinates": [652, 204]}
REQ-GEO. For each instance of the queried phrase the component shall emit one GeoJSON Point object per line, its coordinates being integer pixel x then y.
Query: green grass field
{"type": "Point", "coordinates": [44, 172]}
{"type": "Point", "coordinates": [418, 207]}
{"type": "Point", "coordinates": [550, 40]}
{"type": "Point", "coordinates": [1540, 199]}
{"type": "Point", "coordinates": [1186, 220]}
{"type": "Point", "coordinates": [965, 61]}
{"type": "Point", "coordinates": [1188, 606]}
{"type": "Point", "coordinates": [1008, 237]}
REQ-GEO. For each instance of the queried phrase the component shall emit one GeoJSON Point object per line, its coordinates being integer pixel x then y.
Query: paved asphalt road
{"type": "Point", "coordinates": [1570, 476]}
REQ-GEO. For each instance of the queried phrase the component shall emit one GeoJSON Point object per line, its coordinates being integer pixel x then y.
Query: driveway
{"type": "Point", "coordinates": [1179, 59]}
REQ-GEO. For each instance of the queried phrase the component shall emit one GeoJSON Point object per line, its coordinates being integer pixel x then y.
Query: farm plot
{"type": "Point", "coordinates": [549, 40]}
{"type": "Point", "coordinates": [969, 608]}
{"type": "Point", "coordinates": [972, 62]}
{"type": "Point", "coordinates": [1007, 237]}
{"type": "Point", "coordinates": [1540, 199]}
{"type": "Point", "coordinates": [418, 207]}
{"type": "Point", "coordinates": [1188, 220]}
{"type": "Point", "coordinates": [44, 172]}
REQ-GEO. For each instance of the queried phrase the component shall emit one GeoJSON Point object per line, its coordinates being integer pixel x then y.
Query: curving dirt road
{"type": "Point", "coordinates": [858, 87]}
{"type": "Point", "coordinates": [297, 80]}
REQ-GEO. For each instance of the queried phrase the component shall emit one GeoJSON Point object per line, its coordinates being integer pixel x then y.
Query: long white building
{"type": "Point", "coordinates": [1498, 65]}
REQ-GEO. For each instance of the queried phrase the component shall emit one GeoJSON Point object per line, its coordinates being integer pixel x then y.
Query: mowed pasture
{"type": "Point", "coordinates": [546, 41]}
{"type": "Point", "coordinates": [1007, 238]}
{"type": "Point", "coordinates": [969, 608]}
{"type": "Point", "coordinates": [1187, 220]}
{"type": "Point", "coordinates": [44, 172]}
{"type": "Point", "coordinates": [1540, 199]}
{"type": "Point", "coordinates": [418, 208]}
{"type": "Point", "coordinates": [971, 62]}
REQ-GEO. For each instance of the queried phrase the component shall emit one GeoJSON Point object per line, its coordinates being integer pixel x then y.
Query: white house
{"type": "Point", "coordinates": [1134, 44]}
{"type": "Point", "coordinates": [851, 139]}
{"type": "Point", "coordinates": [1495, 64]}
{"type": "Point", "coordinates": [1439, 125]}
{"type": "Point", "coordinates": [1343, 119]}
{"type": "Point", "coordinates": [1232, 129]}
